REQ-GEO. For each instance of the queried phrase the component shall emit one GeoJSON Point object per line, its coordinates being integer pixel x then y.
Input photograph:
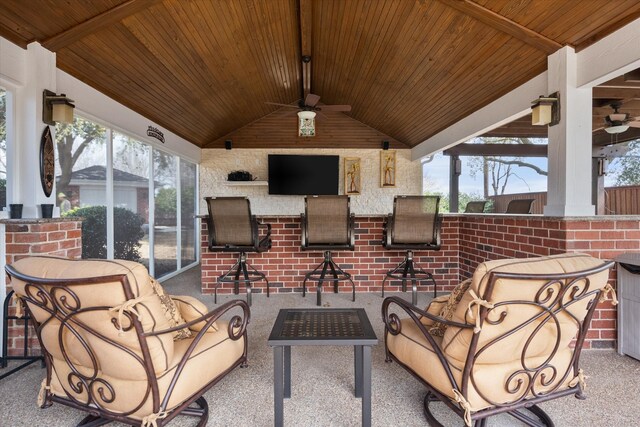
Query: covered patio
{"type": "Point", "coordinates": [170, 99]}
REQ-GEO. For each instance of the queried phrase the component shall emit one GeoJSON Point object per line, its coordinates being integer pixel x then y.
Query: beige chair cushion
{"type": "Point", "coordinates": [110, 359]}
{"type": "Point", "coordinates": [214, 354]}
{"type": "Point", "coordinates": [191, 309]}
{"type": "Point", "coordinates": [171, 311]}
{"type": "Point", "coordinates": [496, 364]}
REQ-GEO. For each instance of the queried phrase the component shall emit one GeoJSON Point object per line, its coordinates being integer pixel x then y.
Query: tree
{"type": "Point", "coordinates": [629, 173]}
{"type": "Point", "coordinates": [463, 199]}
{"type": "Point", "coordinates": [497, 171]}
{"type": "Point", "coordinates": [72, 140]}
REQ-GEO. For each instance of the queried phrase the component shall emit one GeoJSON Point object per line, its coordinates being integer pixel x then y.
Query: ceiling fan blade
{"type": "Point", "coordinates": [343, 108]}
{"type": "Point", "coordinates": [282, 105]}
{"type": "Point", "coordinates": [311, 100]}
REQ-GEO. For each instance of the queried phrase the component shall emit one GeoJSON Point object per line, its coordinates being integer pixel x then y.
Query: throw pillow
{"type": "Point", "coordinates": [191, 309]}
{"type": "Point", "coordinates": [438, 328]}
{"type": "Point", "coordinates": [171, 311]}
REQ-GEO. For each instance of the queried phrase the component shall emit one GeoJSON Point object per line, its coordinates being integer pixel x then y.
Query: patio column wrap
{"type": "Point", "coordinates": [569, 179]}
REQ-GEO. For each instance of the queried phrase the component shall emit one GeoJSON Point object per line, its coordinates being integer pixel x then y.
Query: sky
{"type": "Point", "coordinates": [436, 177]}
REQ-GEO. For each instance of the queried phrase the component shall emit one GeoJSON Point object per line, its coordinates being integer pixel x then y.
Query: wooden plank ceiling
{"type": "Point", "coordinates": [409, 69]}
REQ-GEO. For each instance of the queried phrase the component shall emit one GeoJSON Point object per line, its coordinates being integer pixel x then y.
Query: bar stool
{"type": "Point", "coordinates": [414, 225]}
{"type": "Point", "coordinates": [327, 225]}
{"type": "Point", "coordinates": [232, 228]}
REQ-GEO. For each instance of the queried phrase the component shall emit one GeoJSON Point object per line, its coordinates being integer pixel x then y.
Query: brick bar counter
{"type": "Point", "coordinates": [24, 237]}
{"type": "Point", "coordinates": [467, 240]}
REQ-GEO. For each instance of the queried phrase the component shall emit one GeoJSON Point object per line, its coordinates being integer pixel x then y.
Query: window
{"type": "Point", "coordinates": [131, 199]}
{"type": "Point", "coordinates": [122, 219]}
{"type": "Point", "coordinates": [3, 148]}
{"type": "Point", "coordinates": [81, 181]}
{"type": "Point", "coordinates": [166, 218]}
{"type": "Point", "coordinates": [188, 196]}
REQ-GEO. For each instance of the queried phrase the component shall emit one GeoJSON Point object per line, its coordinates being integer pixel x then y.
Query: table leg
{"type": "Point", "coordinates": [287, 371]}
{"type": "Point", "coordinates": [357, 365]}
{"type": "Point", "coordinates": [366, 386]}
{"type": "Point", "coordinates": [278, 386]}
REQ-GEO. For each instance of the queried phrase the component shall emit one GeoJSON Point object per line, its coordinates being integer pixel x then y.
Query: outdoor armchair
{"type": "Point", "coordinates": [511, 340]}
{"type": "Point", "coordinates": [113, 344]}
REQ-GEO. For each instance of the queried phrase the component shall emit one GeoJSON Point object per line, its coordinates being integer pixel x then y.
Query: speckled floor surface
{"type": "Point", "coordinates": [322, 381]}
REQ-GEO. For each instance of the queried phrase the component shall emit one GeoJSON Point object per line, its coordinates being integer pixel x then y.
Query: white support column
{"type": "Point", "coordinates": [40, 69]}
{"type": "Point", "coordinates": [569, 179]}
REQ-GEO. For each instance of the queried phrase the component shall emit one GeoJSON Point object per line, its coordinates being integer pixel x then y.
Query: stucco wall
{"type": "Point", "coordinates": [217, 163]}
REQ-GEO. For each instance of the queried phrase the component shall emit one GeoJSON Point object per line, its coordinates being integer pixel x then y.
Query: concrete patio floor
{"type": "Point", "coordinates": [322, 380]}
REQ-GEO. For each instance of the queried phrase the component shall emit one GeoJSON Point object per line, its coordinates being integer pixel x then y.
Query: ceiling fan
{"type": "Point", "coordinates": [617, 122]}
{"type": "Point", "coordinates": [310, 103]}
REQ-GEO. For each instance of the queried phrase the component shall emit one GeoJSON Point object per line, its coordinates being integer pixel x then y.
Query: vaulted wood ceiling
{"type": "Point", "coordinates": [204, 69]}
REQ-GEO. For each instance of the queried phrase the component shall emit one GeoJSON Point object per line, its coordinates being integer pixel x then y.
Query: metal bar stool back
{"type": "Point", "coordinates": [327, 225]}
{"type": "Point", "coordinates": [232, 228]}
{"type": "Point", "coordinates": [414, 225]}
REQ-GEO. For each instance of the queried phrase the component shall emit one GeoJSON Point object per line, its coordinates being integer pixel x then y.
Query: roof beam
{"type": "Point", "coordinates": [616, 54]}
{"type": "Point", "coordinates": [305, 11]}
{"type": "Point", "coordinates": [96, 23]}
{"type": "Point", "coordinates": [505, 25]}
{"type": "Point", "coordinates": [514, 150]}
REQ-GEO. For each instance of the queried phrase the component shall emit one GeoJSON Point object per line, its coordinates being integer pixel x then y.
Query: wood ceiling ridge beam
{"type": "Point", "coordinates": [96, 23]}
{"type": "Point", "coordinates": [505, 25]}
{"type": "Point", "coordinates": [305, 22]}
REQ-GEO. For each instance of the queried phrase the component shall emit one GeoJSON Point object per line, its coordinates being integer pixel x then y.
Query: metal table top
{"type": "Point", "coordinates": [322, 326]}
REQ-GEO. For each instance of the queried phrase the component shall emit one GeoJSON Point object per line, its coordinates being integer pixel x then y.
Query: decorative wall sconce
{"type": "Point", "coordinates": [56, 108]}
{"type": "Point", "coordinates": [306, 123]}
{"type": "Point", "coordinates": [546, 110]}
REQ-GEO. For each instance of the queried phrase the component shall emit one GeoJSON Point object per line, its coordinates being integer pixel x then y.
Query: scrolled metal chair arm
{"type": "Point", "coordinates": [393, 326]}
{"type": "Point", "coordinates": [211, 317]}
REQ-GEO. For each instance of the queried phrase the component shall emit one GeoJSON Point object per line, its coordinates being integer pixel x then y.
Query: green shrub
{"type": "Point", "coordinates": [127, 232]}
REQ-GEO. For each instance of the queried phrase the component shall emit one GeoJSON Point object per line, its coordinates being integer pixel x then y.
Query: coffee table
{"type": "Point", "coordinates": [322, 326]}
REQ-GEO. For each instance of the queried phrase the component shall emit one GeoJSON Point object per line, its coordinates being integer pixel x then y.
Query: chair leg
{"type": "Point", "coordinates": [93, 421]}
{"type": "Point", "coordinates": [408, 270]}
{"type": "Point", "coordinates": [242, 272]}
{"type": "Point", "coordinates": [336, 275]}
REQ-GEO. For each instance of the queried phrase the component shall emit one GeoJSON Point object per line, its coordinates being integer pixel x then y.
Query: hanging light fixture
{"type": "Point", "coordinates": [306, 123]}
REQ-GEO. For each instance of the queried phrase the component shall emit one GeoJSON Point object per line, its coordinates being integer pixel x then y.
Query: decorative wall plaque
{"type": "Point", "coordinates": [352, 175]}
{"type": "Point", "coordinates": [387, 168]}
{"type": "Point", "coordinates": [47, 162]}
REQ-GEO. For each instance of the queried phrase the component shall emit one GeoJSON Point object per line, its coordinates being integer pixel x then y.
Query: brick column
{"type": "Point", "coordinates": [27, 237]}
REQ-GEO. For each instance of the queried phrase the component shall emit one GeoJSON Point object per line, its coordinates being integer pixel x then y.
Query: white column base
{"type": "Point", "coordinates": [569, 210]}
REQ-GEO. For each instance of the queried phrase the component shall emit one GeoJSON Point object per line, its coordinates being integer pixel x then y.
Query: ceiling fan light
{"type": "Point", "coordinates": [616, 129]}
{"type": "Point", "coordinates": [306, 123]}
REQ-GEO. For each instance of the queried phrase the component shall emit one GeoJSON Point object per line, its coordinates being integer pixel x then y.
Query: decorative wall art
{"type": "Point", "coordinates": [387, 168]}
{"type": "Point", "coordinates": [47, 162]}
{"type": "Point", "coordinates": [352, 175]}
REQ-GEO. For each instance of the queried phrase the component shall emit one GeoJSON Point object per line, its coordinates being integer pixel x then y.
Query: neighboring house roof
{"type": "Point", "coordinates": [99, 173]}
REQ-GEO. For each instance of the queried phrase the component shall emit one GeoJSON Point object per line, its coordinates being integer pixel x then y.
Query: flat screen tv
{"type": "Point", "coordinates": [302, 175]}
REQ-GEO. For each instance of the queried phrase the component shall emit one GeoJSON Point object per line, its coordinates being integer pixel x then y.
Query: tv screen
{"type": "Point", "coordinates": [302, 175]}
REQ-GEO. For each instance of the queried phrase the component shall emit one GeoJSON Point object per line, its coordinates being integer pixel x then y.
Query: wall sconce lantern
{"type": "Point", "coordinates": [56, 108]}
{"type": "Point", "coordinates": [306, 123]}
{"type": "Point", "coordinates": [546, 110]}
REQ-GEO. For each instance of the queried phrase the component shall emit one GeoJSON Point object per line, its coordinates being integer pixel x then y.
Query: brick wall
{"type": "Point", "coordinates": [467, 241]}
{"type": "Point", "coordinates": [285, 264]}
{"type": "Point", "coordinates": [484, 237]}
{"type": "Point", "coordinates": [37, 237]}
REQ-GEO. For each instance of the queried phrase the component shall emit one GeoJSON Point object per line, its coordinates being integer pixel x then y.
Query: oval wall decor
{"type": "Point", "coordinates": [47, 162]}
